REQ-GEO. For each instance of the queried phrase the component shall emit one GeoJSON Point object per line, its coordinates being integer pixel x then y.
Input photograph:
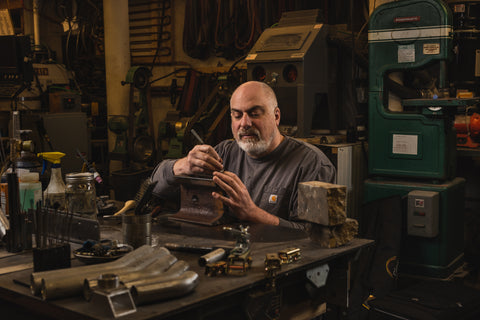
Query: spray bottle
{"type": "Point", "coordinates": [54, 194]}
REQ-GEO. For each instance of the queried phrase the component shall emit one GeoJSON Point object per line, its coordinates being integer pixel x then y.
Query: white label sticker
{"type": "Point", "coordinates": [431, 48]}
{"type": "Point", "coordinates": [406, 53]}
{"type": "Point", "coordinates": [405, 144]}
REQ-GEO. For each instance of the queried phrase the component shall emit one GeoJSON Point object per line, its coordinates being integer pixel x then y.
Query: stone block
{"type": "Point", "coordinates": [334, 236]}
{"type": "Point", "coordinates": [322, 203]}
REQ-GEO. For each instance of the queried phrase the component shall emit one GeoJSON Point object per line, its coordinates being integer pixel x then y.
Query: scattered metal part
{"type": "Point", "coordinates": [216, 268]}
{"type": "Point", "coordinates": [180, 286]}
{"type": "Point", "coordinates": [157, 267]}
{"type": "Point", "coordinates": [272, 264]}
{"type": "Point", "coordinates": [289, 255]}
{"type": "Point", "coordinates": [239, 260]}
{"type": "Point", "coordinates": [137, 229]}
{"type": "Point", "coordinates": [36, 278]}
{"type": "Point", "coordinates": [64, 286]}
{"type": "Point", "coordinates": [111, 294]}
{"type": "Point", "coordinates": [318, 276]}
{"type": "Point", "coordinates": [16, 268]}
{"type": "Point", "coordinates": [193, 248]}
{"type": "Point", "coordinates": [174, 271]}
{"type": "Point", "coordinates": [211, 257]}
{"type": "Point", "coordinates": [102, 251]}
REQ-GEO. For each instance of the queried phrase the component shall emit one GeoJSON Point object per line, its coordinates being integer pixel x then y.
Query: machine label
{"type": "Point", "coordinates": [406, 19]}
{"type": "Point", "coordinates": [420, 203]}
{"type": "Point", "coordinates": [459, 8]}
{"type": "Point", "coordinates": [405, 144]}
{"type": "Point", "coordinates": [431, 48]}
{"type": "Point", "coordinates": [41, 71]}
{"type": "Point", "coordinates": [406, 53]}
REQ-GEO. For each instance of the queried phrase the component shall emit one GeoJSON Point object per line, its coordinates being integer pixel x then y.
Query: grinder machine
{"type": "Point", "coordinates": [412, 150]}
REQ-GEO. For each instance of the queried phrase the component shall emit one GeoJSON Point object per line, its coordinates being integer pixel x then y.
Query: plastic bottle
{"type": "Point", "coordinates": [54, 194]}
{"type": "Point", "coordinates": [30, 189]}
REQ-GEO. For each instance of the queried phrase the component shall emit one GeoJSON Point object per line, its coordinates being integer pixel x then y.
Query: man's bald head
{"type": "Point", "coordinates": [266, 90]}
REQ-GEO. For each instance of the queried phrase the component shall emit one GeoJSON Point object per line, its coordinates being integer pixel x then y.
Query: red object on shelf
{"type": "Point", "coordinates": [468, 130]}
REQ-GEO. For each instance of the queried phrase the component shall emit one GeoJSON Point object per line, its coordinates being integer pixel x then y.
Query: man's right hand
{"type": "Point", "coordinates": [202, 159]}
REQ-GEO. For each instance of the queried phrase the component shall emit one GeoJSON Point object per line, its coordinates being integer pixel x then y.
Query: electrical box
{"type": "Point", "coordinates": [439, 256]}
{"type": "Point", "coordinates": [64, 102]}
{"type": "Point", "coordinates": [423, 213]}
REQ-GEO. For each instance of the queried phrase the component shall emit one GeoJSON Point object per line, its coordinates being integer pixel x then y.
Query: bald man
{"type": "Point", "coordinates": [260, 170]}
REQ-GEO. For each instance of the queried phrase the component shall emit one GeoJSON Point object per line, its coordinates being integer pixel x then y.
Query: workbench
{"type": "Point", "coordinates": [232, 297]}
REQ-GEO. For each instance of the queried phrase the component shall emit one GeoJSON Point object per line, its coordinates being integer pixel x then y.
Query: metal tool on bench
{"type": "Point", "coordinates": [111, 297]}
{"type": "Point", "coordinates": [54, 230]}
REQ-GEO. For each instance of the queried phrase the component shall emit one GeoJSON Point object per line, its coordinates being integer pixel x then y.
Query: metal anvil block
{"type": "Point", "coordinates": [197, 204]}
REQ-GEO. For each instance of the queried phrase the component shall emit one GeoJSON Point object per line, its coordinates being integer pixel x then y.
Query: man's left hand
{"type": "Point", "coordinates": [239, 200]}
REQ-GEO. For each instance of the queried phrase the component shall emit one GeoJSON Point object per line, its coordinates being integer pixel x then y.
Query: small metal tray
{"type": "Point", "coordinates": [109, 252]}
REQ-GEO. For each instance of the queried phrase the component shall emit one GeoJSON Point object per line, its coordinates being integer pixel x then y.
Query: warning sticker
{"type": "Point", "coordinates": [431, 48]}
{"type": "Point", "coordinates": [405, 144]}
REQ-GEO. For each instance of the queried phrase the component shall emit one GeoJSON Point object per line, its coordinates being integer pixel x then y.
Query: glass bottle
{"type": "Point", "coordinates": [80, 194]}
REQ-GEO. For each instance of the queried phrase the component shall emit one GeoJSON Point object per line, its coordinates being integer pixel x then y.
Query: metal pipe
{"type": "Point", "coordinates": [169, 289]}
{"type": "Point", "coordinates": [36, 277]}
{"type": "Point", "coordinates": [36, 24]}
{"type": "Point", "coordinates": [63, 286]}
{"type": "Point", "coordinates": [153, 269]}
{"type": "Point", "coordinates": [213, 256]}
{"type": "Point", "coordinates": [175, 271]}
{"type": "Point", "coordinates": [117, 63]}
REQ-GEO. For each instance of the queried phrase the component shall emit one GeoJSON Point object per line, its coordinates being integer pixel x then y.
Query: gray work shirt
{"type": "Point", "coordinates": [272, 181]}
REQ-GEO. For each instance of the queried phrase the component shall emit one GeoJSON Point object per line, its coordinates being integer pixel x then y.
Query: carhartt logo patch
{"type": "Point", "coordinates": [272, 198]}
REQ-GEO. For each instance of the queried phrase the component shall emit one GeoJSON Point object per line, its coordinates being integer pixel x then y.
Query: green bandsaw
{"type": "Point", "coordinates": [412, 151]}
{"type": "Point", "coordinates": [418, 141]}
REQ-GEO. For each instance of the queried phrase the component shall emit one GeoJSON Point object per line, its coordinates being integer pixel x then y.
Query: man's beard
{"type": "Point", "coordinates": [256, 146]}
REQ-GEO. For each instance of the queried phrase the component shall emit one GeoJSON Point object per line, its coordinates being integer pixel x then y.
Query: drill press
{"type": "Point", "coordinates": [412, 148]}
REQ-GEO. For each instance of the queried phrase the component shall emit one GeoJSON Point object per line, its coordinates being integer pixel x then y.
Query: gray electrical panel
{"type": "Point", "coordinates": [423, 213]}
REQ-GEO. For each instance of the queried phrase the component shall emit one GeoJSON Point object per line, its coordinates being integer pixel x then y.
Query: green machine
{"type": "Point", "coordinates": [412, 151]}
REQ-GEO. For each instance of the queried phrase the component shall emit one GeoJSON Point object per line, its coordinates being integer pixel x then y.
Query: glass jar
{"type": "Point", "coordinates": [80, 194]}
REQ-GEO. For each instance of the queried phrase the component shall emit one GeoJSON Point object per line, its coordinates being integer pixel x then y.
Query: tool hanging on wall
{"type": "Point", "coordinates": [139, 142]}
{"type": "Point", "coordinates": [206, 121]}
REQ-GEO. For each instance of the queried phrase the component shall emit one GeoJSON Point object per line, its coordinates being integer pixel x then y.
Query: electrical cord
{"type": "Point", "coordinates": [160, 33]}
{"type": "Point", "coordinates": [170, 74]}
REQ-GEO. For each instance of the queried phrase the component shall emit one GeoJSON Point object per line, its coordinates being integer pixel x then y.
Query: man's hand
{"type": "Point", "coordinates": [239, 200]}
{"type": "Point", "coordinates": [202, 159]}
